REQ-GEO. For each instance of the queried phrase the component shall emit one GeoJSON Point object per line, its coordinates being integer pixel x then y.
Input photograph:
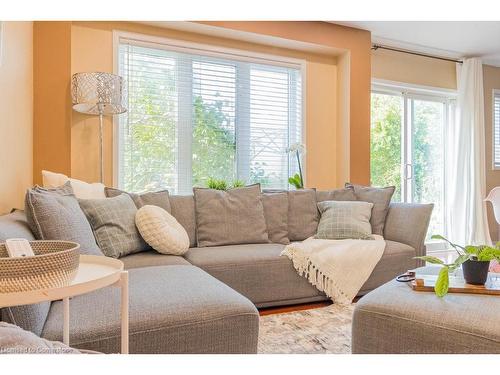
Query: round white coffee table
{"type": "Point", "coordinates": [94, 272]}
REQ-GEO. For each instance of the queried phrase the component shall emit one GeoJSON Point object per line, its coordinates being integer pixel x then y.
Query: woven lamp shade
{"type": "Point", "coordinates": [98, 93]}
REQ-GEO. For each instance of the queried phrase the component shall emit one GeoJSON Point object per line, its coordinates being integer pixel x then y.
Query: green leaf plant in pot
{"type": "Point", "coordinates": [475, 262]}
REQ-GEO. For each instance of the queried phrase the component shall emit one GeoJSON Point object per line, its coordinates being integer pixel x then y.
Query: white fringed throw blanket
{"type": "Point", "coordinates": [339, 268]}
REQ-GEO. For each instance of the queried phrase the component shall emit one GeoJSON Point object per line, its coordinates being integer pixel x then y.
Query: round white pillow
{"type": "Point", "coordinates": [161, 230]}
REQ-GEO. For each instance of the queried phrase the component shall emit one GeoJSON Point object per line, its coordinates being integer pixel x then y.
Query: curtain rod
{"type": "Point", "coordinates": [380, 46]}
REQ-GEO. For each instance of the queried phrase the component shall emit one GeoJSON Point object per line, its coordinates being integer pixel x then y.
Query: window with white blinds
{"type": "Point", "coordinates": [496, 129]}
{"type": "Point", "coordinates": [192, 117]}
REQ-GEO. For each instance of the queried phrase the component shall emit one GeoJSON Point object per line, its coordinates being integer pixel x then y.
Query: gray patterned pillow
{"type": "Point", "coordinates": [113, 223]}
{"type": "Point", "coordinates": [343, 220]}
{"type": "Point", "coordinates": [54, 214]}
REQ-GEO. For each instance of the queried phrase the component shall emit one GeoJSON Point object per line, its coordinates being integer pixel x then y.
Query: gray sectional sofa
{"type": "Point", "coordinates": [207, 300]}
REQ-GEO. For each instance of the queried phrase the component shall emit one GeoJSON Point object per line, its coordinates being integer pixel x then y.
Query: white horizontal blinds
{"type": "Point", "coordinates": [214, 122]}
{"type": "Point", "coordinates": [273, 124]}
{"type": "Point", "coordinates": [222, 118]}
{"type": "Point", "coordinates": [148, 131]}
{"type": "Point", "coordinates": [496, 126]}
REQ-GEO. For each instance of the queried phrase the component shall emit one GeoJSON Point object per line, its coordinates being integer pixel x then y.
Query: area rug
{"type": "Point", "coordinates": [314, 331]}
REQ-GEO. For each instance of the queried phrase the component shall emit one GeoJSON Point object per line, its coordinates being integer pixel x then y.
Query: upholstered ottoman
{"type": "Point", "coordinates": [395, 319]}
{"type": "Point", "coordinates": [173, 309]}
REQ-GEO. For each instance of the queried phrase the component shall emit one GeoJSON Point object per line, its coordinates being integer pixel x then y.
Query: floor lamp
{"type": "Point", "coordinates": [100, 94]}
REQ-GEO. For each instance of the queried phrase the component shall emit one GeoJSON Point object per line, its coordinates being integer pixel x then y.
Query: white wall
{"type": "Point", "coordinates": [16, 114]}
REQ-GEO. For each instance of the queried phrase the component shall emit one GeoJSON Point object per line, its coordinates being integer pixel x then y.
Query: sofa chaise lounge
{"type": "Point", "coordinates": [205, 301]}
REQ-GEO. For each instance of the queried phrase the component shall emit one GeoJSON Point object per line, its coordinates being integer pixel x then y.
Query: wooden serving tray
{"type": "Point", "coordinates": [425, 283]}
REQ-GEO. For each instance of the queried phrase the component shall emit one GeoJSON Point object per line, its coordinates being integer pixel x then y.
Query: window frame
{"type": "Point", "coordinates": [210, 50]}
{"type": "Point", "coordinates": [494, 92]}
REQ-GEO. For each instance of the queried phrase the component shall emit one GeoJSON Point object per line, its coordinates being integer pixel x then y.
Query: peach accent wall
{"type": "Point", "coordinates": [321, 98]}
{"type": "Point", "coordinates": [52, 99]}
{"type": "Point", "coordinates": [337, 95]}
{"type": "Point", "coordinates": [16, 112]}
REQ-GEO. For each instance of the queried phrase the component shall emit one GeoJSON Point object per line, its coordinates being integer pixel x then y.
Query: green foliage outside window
{"type": "Point", "coordinates": [386, 142]}
{"type": "Point", "coordinates": [151, 148]}
{"type": "Point", "coordinates": [427, 150]}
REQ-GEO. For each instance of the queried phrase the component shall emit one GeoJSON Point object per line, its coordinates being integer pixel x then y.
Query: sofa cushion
{"type": "Point", "coordinates": [381, 198]}
{"type": "Point", "coordinates": [113, 223]}
{"type": "Point", "coordinates": [15, 225]}
{"type": "Point", "coordinates": [397, 259]}
{"type": "Point", "coordinates": [345, 194]}
{"type": "Point", "coordinates": [54, 214]}
{"type": "Point", "coordinates": [257, 271]}
{"type": "Point", "coordinates": [234, 216]}
{"type": "Point", "coordinates": [29, 317]}
{"type": "Point", "coordinates": [276, 214]}
{"type": "Point", "coordinates": [303, 214]}
{"type": "Point", "coordinates": [154, 198]}
{"type": "Point", "coordinates": [152, 258]}
{"type": "Point", "coordinates": [183, 210]}
{"type": "Point", "coordinates": [344, 220]}
{"type": "Point", "coordinates": [173, 309]}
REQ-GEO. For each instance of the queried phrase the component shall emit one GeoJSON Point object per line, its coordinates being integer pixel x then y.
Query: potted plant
{"type": "Point", "coordinates": [219, 184]}
{"type": "Point", "coordinates": [476, 267]}
{"type": "Point", "coordinates": [297, 180]}
{"type": "Point", "coordinates": [475, 261]}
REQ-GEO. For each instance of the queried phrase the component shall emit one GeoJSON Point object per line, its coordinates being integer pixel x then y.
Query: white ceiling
{"type": "Point", "coordinates": [444, 38]}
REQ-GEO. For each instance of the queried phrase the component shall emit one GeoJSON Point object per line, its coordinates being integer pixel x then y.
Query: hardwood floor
{"type": "Point", "coordinates": [300, 307]}
{"type": "Point", "coordinates": [292, 308]}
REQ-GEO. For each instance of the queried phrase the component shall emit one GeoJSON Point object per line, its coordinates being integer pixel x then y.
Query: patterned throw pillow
{"type": "Point", "coordinates": [54, 214]}
{"type": "Point", "coordinates": [113, 223]}
{"type": "Point", "coordinates": [344, 220]}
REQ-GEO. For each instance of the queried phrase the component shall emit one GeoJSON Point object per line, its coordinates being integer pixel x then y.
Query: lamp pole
{"type": "Point", "coordinates": [101, 156]}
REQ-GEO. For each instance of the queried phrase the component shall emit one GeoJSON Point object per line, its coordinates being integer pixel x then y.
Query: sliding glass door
{"type": "Point", "coordinates": [408, 149]}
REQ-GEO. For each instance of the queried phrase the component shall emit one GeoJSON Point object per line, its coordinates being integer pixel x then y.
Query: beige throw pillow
{"type": "Point", "coordinates": [81, 189]}
{"type": "Point", "coordinates": [235, 216]}
{"type": "Point", "coordinates": [161, 230]}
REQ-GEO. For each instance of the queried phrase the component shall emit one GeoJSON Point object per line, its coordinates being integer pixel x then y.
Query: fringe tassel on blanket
{"type": "Point", "coordinates": [324, 284]}
{"type": "Point", "coordinates": [338, 268]}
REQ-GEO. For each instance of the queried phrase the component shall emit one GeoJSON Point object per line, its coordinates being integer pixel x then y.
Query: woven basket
{"type": "Point", "coordinates": [54, 265]}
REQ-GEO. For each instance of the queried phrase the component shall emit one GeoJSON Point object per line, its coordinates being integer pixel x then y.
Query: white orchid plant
{"type": "Point", "coordinates": [297, 180]}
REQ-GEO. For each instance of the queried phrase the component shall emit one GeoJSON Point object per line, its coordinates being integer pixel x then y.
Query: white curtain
{"type": "Point", "coordinates": [466, 183]}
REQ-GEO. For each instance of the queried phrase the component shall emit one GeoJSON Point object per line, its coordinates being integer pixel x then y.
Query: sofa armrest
{"type": "Point", "coordinates": [408, 223]}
